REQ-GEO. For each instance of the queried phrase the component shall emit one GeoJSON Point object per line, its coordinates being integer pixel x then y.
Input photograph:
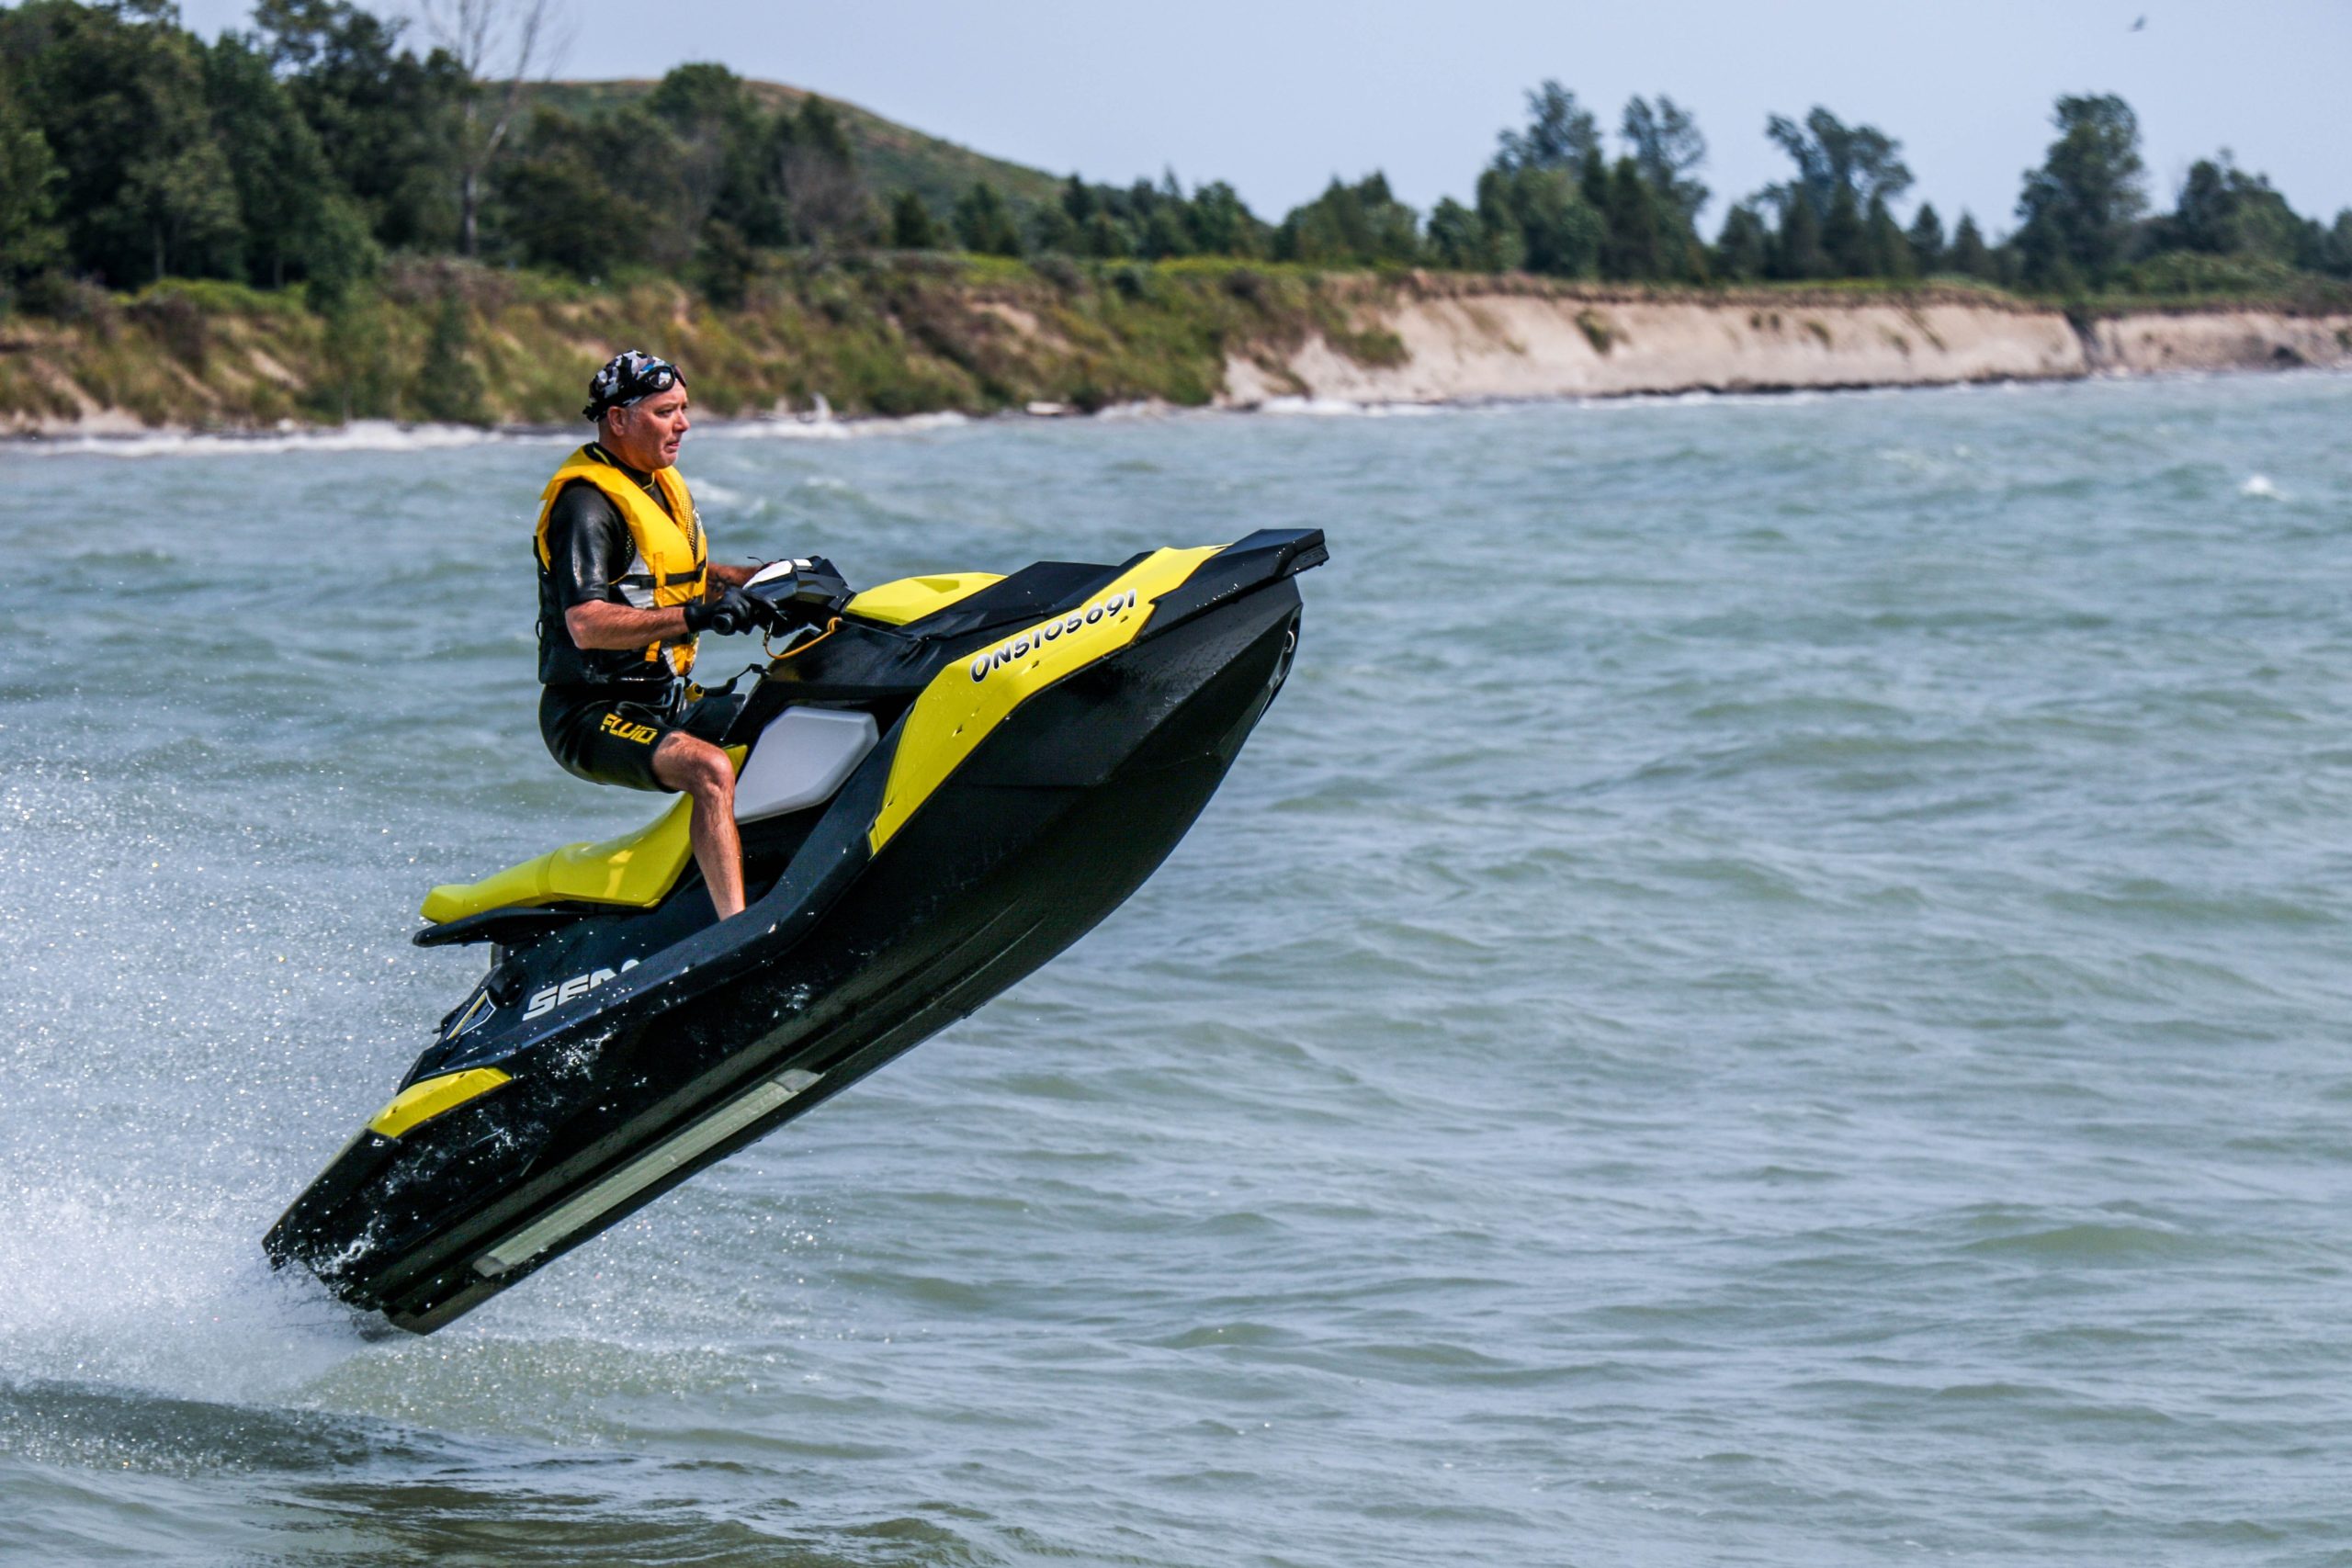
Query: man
{"type": "Point", "coordinates": [626, 586]}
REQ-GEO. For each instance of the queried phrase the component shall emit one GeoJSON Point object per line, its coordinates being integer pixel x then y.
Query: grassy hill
{"type": "Point", "coordinates": [894, 157]}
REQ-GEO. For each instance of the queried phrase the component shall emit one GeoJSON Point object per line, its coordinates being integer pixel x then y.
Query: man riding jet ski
{"type": "Point", "coordinates": [938, 783]}
{"type": "Point", "coordinates": [626, 587]}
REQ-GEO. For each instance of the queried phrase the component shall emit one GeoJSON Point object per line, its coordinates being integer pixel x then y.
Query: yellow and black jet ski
{"type": "Point", "coordinates": [938, 795]}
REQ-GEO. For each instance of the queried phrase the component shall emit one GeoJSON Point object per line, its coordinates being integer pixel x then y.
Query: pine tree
{"type": "Point", "coordinates": [1925, 239]}
{"type": "Point", "coordinates": [1592, 176]}
{"type": "Point", "coordinates": [2335, 246]}
{"type": "Point", "coordinates": [1633, 249]}
{"type": "Point", "coordinates": [1798, 254]}
{"type": "Point", "coordinates": [1743, 248]}
{"type": "Point", "coordinates": [984, 223]}
{"type": "Point", "coordinates": [911, 228]}
{"type": "Point", "coordinates": [1886, 253]}
{"type": "Point", "coordinates": [1968, 256]}
{"type": "Point", "coordinates": [1843, 239]}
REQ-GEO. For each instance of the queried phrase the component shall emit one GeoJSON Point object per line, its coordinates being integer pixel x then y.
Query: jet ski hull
{"type": "Point", "coordinates": [855, 955]}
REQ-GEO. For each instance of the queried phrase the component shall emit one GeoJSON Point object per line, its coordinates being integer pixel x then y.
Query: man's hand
{"type": "Point", "coordinates": [730, 612]}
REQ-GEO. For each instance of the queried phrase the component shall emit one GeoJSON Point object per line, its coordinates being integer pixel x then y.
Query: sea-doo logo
{"type": "Point", "coordinates": [1037, 637]}
{"type": "Point", "coordinates": [571, 990]}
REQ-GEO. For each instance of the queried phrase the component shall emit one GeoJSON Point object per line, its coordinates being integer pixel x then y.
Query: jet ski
{"type": "Point", "coordinates": [942, 783]}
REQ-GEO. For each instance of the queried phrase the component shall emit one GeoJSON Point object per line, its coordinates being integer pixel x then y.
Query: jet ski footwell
{"type": "Point", "coordinates": [613, 1051]}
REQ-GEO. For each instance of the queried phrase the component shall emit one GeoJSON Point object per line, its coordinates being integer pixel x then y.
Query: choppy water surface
{"type": "Point", "coordinates": [1774, 991]}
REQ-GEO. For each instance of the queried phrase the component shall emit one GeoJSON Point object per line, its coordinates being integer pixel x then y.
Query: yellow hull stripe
{"type": "Point", "coordinates": [969, 699]}
{"type": "Point", "coordinates": [420, 1102]}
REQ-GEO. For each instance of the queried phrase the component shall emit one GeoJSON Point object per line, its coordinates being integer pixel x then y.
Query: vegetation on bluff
{"type": "Point", "coordinates": [451, 340]}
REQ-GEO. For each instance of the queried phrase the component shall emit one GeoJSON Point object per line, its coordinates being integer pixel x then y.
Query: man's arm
{"type": "Point", "coordinates": [588, 543]}
{"type": "Point", "coordinates": [601, 624]}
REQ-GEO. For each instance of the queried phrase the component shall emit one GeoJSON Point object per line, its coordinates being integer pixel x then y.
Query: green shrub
{"type": "Point", "coordinates": [2190, 274]}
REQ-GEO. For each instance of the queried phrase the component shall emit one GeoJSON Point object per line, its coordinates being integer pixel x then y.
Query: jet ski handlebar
{"type": "Point", "coordinates": [789, 595]}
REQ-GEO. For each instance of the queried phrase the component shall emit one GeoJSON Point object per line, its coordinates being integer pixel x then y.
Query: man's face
{"type": "Point", "coordinates": [648, 437]}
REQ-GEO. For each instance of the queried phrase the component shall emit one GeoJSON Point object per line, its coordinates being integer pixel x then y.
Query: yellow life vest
{"type": "Point", "coordinates": [670, 543]}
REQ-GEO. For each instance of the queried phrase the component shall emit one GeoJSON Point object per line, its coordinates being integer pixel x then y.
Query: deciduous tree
{"type": "Point", "coordinates": [1666, 147]}
{"type": "Point", "coordinates": [118, 95]}
{"type": "Point", "coordinates": [30, 241]}
{"type": "Point", "coordinates": [385, 119]}
{"type": "Point", "coordinates": [2078, 208]}
{"type": "Point", "coordinates": [1363, 224]}
{"type": "Point", "coordinates": [497, 45]}
{"type": "Point", "coordinates": [1831, 156]}
{"type": "Point", "coordinates": [1561, 233]}
{"type": "Point", "coordinates": [830, 203]}
{"type": "Point", "coordinates": [1560, 134]}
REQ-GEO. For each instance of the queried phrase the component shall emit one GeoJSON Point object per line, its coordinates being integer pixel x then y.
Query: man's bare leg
{"type": "Point", "coordinates": [702, 771]}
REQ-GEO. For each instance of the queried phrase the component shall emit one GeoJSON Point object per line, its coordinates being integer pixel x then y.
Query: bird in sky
{"type": "Point", "coordinates": [2141, 26]}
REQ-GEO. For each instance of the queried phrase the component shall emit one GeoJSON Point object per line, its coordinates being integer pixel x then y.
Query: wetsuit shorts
{"type": "Point", "coordinates": [606, 734]}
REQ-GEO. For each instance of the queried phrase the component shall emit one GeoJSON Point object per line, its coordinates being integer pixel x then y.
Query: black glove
{"type": "Point", "coordinates": [730, 612]}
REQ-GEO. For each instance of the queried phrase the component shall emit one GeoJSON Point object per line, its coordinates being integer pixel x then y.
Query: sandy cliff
{"type": "Point", "coordinates": [2147, 342]}
{"type": "Point", "coordinates": [914, 338]}
{"type": "Point", "coordinates": [1470, 346]}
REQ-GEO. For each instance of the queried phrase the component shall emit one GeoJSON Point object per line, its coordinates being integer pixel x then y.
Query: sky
{"type": "Point", "coordinates": [1278, 96]}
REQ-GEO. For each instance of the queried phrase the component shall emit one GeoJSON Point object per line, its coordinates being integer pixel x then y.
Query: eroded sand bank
{"type": "Point", "coordinates": [1469, 346]}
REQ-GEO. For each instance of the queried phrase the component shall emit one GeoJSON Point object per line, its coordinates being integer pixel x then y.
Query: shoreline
{"type": "Point", "coordinates": [387, 435]}
{"type": "Point", "coordinates": [1427, 343]}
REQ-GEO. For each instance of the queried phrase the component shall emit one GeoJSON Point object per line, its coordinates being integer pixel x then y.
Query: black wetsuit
{"type": "Point", "coordinates": [603, 711]}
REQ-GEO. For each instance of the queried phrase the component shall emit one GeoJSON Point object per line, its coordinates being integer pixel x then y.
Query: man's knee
{"type": "Point", "coordinates": [695, 766]}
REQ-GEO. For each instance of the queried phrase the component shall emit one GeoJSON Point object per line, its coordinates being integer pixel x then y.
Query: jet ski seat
{"type": "Point", "coordinates": [912, 598]}
{"type": "Point", "coordinates": [635, 869]}
{"type": "Point", "coordinates": [638, 870]}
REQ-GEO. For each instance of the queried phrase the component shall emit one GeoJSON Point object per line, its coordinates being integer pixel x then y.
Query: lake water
{"type": "Point", "coordinates": [1774, 991]}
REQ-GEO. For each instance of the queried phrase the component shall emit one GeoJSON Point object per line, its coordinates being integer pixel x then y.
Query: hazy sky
{"type": "Point", "coordinates": [1278, 96]}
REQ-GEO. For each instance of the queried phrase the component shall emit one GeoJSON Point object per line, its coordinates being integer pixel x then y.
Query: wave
{"type": "Point", "coordinates": [825, 427]}
{"type": "Point", "coordinates": [359, 435]}
{"type": "Point", "coordinates": [1341, 408]}
{"type": "Point", "coordinates": [386, 435]}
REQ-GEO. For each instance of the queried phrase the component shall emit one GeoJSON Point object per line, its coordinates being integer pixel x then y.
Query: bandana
{"type": "Point", "coordinates": [628, 379]}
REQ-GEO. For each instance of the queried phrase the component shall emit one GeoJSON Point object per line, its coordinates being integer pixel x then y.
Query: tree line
{"type": "Point", "coordinates": [309, 149]}
{"type": "Point", "coordinates": [1552, 200]}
